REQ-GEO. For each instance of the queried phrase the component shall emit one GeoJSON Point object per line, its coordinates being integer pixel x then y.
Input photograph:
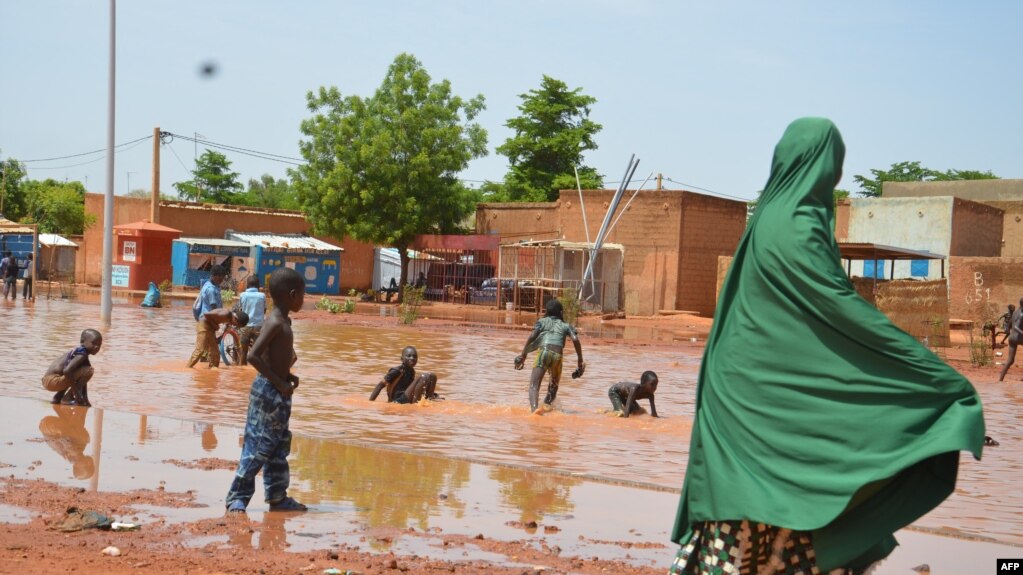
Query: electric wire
{"type": "Point", "coordinates": [85, 153]}
{"type": "Point", "coordinates": [136, 142]}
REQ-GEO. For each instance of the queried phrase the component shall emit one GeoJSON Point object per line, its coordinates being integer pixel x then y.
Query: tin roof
{"type": "Point", "coordinates": [52, 240]}
{"type": "Point", "coordinates": [9, 227]}
{"type": "Point", "coordinates": [214, 242]}
{"type": "Point", "coordinates": [285, 241]}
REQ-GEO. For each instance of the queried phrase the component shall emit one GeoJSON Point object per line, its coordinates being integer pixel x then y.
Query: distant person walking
{"type": "Point", "coordinates": [26, 289]}
{"type": "Point", "coordinates": [812, 445]}
{"type": "Point", "coordinates": [1015, 338]}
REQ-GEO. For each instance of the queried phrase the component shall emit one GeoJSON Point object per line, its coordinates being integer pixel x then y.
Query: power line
{"type": "Point", "coordinates": [136, 142]}
{"type": "Point", "coordinates": [248, 152]}
{"type": "Point", "coordinates": [85, 153]}
{"type": "Point", "coordinates": [708, 191]}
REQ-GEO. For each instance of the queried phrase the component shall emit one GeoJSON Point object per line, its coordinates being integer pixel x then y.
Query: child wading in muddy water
{"type": "Point", "coordinates": [402, 384]}
{"type": "Point", "coordinates": [267, 437]}
{"type": "Point", "coordinates": [72, 371]}
{"type": "Point", "coordinates": [549, 337]}
{"type": "Point", "coordinates": [625, 395]}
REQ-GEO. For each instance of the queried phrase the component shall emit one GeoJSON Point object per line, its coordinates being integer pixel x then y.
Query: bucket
{"type": "Point", "coordinates": [509, 306]}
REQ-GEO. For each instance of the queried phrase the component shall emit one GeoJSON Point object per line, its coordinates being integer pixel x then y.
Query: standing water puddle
{"type": "Point", "coordinates": [483, 419]}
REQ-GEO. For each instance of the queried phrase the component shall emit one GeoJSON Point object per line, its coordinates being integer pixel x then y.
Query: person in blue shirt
{"type": "Point", "coordinates": [209, 295]}
{"type": "Point", "coordinates": [253, 303]}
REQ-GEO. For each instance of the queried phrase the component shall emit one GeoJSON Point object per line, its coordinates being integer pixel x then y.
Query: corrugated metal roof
{"type": "Point", "coordinates": [52, 240]}
{"type": "Point", "coordinates": [285, 241]}
{"type": "Point", "coordinates": [214, 242]}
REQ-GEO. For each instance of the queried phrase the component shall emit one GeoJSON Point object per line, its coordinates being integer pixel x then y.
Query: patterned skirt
{"type": "Point", "coordinates": [744, 548]}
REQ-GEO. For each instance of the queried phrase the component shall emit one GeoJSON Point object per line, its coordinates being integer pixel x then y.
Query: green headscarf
{"type": "Point", "coordinates": [813, 411]}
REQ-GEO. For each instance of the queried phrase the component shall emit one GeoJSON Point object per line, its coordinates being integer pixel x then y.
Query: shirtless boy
{"type": "Point", "coordinates": [267, 440]}
{"type": "Point", "coordinates": [401, 382]}
{"type": "Point", "coordinates": [624, 395]}
{"type": "Point", "coordinates": [72, 371]}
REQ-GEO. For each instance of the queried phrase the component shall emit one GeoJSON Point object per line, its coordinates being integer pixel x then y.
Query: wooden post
{"type": "Point", "coordinates": [154, 207]}
{"type": "Point", "coordinates": [659, 178]}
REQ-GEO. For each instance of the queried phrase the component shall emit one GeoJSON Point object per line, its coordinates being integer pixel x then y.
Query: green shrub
{"type": "Point", "coordinates": [326, 304]}
{"type": "Point", "coordinates": [408, 311]}
{"type": "Point", "coordinates": [569, 299]}
{"type": "Point", "coordinates": [349, 306]}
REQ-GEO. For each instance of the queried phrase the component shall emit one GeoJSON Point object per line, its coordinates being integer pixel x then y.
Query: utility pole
{"type": "Point", "coordinates": [659, 178]}
{"type": "Point", "coordinates": [154, 206]}
{"type": "Point", "coordinates": [106, 295]}
{"type": "Point", "coordinates": [129, 173]}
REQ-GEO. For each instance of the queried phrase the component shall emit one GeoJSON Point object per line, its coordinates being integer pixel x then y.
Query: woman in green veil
{"type": "Point", "coordinates": [820, 428]}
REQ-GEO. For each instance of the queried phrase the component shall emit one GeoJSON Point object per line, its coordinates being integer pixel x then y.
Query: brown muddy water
{"type": "Point", "coordinates": [534, 468]}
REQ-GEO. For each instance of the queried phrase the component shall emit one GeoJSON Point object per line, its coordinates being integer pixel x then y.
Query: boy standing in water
{"type": "Point", "coordinates": [549, 337]}
{"type": "Point", "coordinates": [625, 395]}
{"type": "Point", "coordinates": [72, 371]}
{"type": "Point", "coordinates": [267, 437]}
{"type": "Point", "coordinates": [402, 384]}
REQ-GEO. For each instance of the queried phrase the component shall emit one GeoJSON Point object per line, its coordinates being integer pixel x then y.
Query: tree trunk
{"type": "Point", "coordinates": [403, 256]}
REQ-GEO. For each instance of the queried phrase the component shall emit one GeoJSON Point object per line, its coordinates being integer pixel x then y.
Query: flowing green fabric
{"type": "Point", "coordinates": [813, 411]}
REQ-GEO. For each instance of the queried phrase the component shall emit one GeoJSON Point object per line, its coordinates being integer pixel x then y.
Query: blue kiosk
{"type": "Point", "coordinates": [317, 261]}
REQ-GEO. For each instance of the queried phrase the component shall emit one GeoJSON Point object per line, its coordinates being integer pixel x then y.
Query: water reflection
{"type": "Point", "coordinates": [65, 433]}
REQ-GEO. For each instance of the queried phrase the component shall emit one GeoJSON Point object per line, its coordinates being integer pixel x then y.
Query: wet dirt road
{"type": "Point", "coordinates": [484, 417]}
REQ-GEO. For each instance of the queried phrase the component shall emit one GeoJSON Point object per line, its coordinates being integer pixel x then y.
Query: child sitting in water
{"type": "Point", "coordinates": [72, 371]}
{"type": "Point", "coordinates": [402, 384]}
{"type": "Point", "coordinates": [624, 395]}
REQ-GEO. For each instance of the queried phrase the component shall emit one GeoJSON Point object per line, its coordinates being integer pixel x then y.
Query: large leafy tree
{"type": "Point", "coordinates": [58, 207]}
{"type": "Point", "coordinates": [913, 172]}
{"type": "Point", "coordinates": [212, 181]}
{"type": "Point", "coordinates": [268, 192]}
{"type": "Point", "coordinates": [552, 132]}
{"type": "Point", "coordinates": [12, 196]}
{"type": "Point", "coordinates": [384, 168]}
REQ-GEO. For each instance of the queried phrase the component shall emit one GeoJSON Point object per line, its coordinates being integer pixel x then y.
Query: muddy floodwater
{"type": "Point", "coordinates": [480, 440]}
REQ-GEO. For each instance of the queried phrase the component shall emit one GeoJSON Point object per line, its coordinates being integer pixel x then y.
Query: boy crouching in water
{"type": "Point", "coordinates": [206, 334]}
{"type": "Point", "coordinates": [267, 438]}
{"type": "Point", "coordinates": [402, 384]}
{"type": "Point", "coordinates": [625, 395]}
{"type": "Point", "coordinates": [72, 371]}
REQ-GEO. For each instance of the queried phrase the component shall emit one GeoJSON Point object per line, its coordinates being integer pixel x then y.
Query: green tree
{"type": "Point", "coordinates": [268, 192]}
{"type": "Point", "coordinates": [212, 181]}
{"type": "Point", "coordinates": [384, 169]}
{"type": "Point", "coordinates": [552, 132]}
{"type": "Point", "coordinates": [58, 207]}
{"type": "Point", "coordinates": [913, 172]}
{"type": "Point", "coordinates": [144, 194]}
{"type": "Point", "coordinates": [12, 197]}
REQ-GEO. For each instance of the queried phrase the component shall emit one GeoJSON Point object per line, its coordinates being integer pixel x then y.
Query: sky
{"type": "Point", "coordinates": [699, 91]}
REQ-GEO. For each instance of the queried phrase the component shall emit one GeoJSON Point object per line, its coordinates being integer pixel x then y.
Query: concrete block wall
{"type": "Point", "coordinates": [711, 227]}
{"type": "Point", "coordinates": [913, 223]}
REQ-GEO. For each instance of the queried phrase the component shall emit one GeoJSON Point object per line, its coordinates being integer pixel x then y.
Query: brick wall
{"type": "Point", "coordinates": [976, 229]}
{"type": "Point", "coordinates": [711, 227]}
{"type": "Point", "coordinates": [211, 221]}
{"type": "Point", "coordinates": [519, 221]}
{"type": "Point", "coordinates": [981, 288]}
{"type": "Point", "coordinates": [842, 220]}
{"type": "Point", "coordinates": [649, 230]}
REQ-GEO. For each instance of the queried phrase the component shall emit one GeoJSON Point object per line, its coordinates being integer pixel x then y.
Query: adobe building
{"type": "Point", "coordinates": [212, 221]}
{"type": "Point", "coordinates": [672, 239]}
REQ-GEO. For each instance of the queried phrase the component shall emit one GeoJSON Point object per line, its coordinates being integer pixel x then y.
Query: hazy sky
{"type": "Point", "coordinates": [699, 91]}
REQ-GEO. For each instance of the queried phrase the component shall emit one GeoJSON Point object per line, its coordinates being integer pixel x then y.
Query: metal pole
{"type": "Point", "coordinates": [582, 204]}
{"type": "Point", "coordinates": [106, 294]}
{"type": "Point", "coordinates": [154, 207]}
{"type": "Point", "coordinates": [628, 203]}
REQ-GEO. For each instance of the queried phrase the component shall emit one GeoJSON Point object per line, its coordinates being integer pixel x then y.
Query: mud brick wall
{"type": "Point", "coordinates": [842, 220]}
{"type": "Point", "coordinates": [519, 221]}
{"type": "Point", "coordinates": [649, 230]}
{"type": "Point", "coordinates": [1012, 227]}
{"type": "Point", "coordinates": [976, 229]}
{"type": "Point", "coordinates": [211, 221]}
{"type": "Point", "coordinates": [711, 227]}
{"type": "Point", "coordinates": [981, 288]}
